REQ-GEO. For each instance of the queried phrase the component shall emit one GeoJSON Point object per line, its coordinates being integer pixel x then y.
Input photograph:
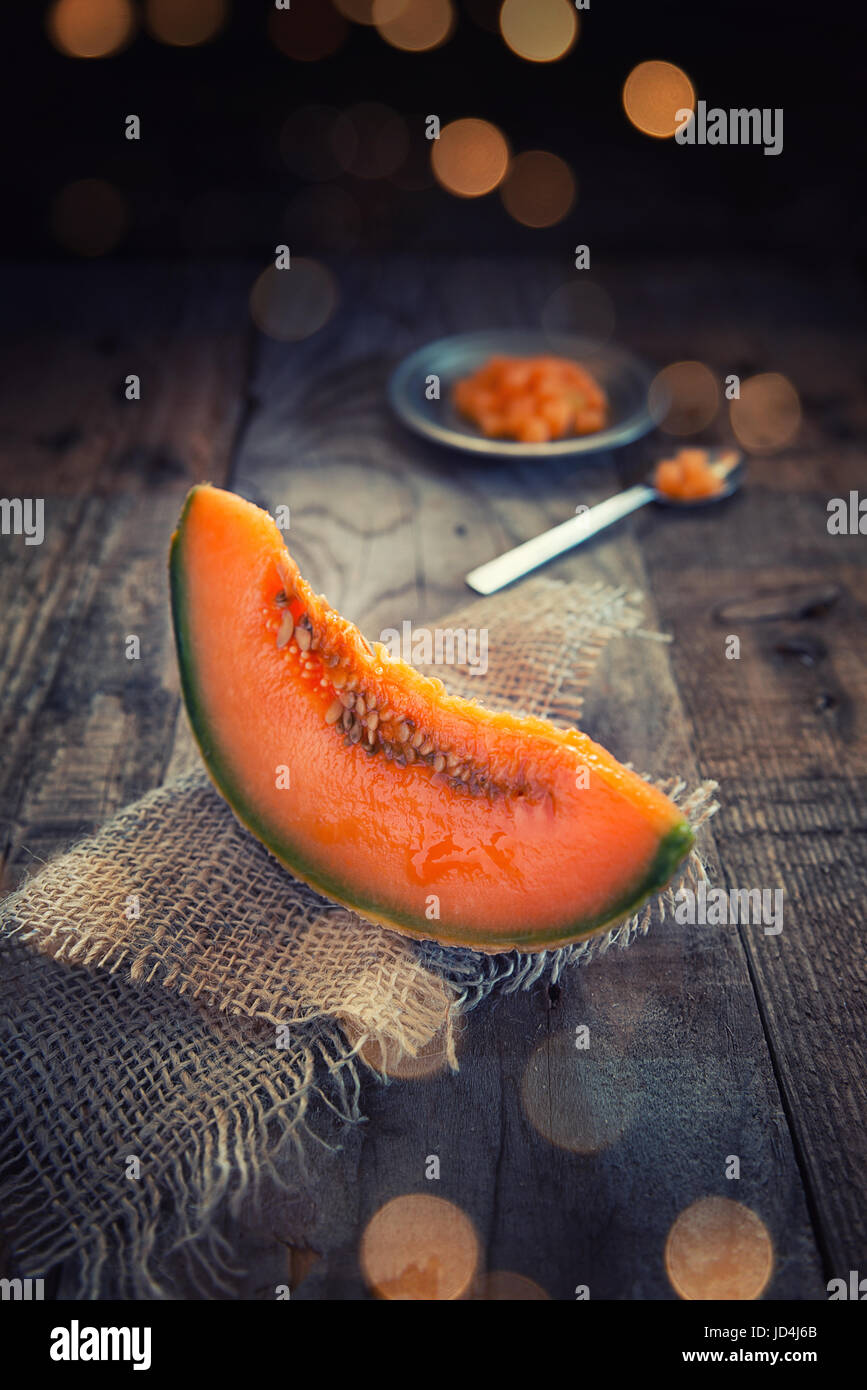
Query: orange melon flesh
{"type": "Point", "coordinates": [548, 839]}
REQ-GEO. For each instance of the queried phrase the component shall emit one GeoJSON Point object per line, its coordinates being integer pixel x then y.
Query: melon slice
{"type": "Point", "coordinates": [422, 811]}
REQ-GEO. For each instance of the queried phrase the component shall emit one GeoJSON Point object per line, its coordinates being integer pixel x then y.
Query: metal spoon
{"type": "Point", "coordinates": [728, 464]}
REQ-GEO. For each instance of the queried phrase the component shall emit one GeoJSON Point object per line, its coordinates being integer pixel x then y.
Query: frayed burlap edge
{"type": "Point", "coordinates": [63, 1196]}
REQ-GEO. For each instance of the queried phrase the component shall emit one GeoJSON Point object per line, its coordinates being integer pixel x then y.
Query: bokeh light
{"type": "Point", "coordinates": [293, 304]}
{"type": "Point", "coordinates": [470, 158]}
{"type": "Point", "coordinates": [385, 1057]}
{"type": "Point", "coordinates": [539, 30]}
{"type": "Point", "coordinates": [768, 414]}
{"type": "Point", "coordinates": [360, 11]}
{"type": "Point", "coordinates": [718, 1248]}
{"type": "Point", "coordinates": [185, 23]}
{"type": "Point", "coordinates": [89, 217]}
{"type": "Point", "coordinates": [582, 307]}
{"type": "Point", "coordinates": [311, 30]}
{"type": "Point", "coordinates": [652, 95]}
{"type": "Point", "coordinates": [577, 1100]}
{"type": "Point", "coordinates": [419, 1248]}
{"type": "Point", "coordinates": [379, 143]}
{"type": "Point", "coordinates": [90, 28]}
{"type": "Point", "coordinates": [501, 1285]}
{"type": "Point", "coordinates": [539, 189]}
{"type": "Point", "coordinates": [318, 142]}
{"type": "Point", "coordinates": [414, 25]}
{"type": "Point", "coordinates": [324, 216]}
{"type": "Point", "coordinates": [683, 398]}
{"type": "Point", "coordinates": [300, 1259]}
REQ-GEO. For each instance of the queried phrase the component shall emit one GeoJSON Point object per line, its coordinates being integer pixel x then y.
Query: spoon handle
{"type": "Point", "coordinates": [514, 564]}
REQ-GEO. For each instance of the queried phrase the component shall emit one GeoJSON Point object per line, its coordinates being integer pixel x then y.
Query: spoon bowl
{"type": "Point", "coordinates": [729, 467]}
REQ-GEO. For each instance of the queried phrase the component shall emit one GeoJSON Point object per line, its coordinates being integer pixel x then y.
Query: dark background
{"type": "Point", "coordinates": [725, 1042]}
{"type": "Point", "coordinates": [207, 178]}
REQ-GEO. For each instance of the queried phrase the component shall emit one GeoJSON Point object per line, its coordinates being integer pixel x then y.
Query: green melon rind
{"type": "Point", "coordinates": [672, 850]}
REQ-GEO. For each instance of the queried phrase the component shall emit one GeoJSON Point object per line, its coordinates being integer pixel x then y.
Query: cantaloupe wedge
{"type": "Point", "coordinates": [424, 812]}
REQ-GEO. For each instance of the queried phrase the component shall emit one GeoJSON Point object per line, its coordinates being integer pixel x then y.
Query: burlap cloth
{"type": "Point", "coordinates": [171, 995]}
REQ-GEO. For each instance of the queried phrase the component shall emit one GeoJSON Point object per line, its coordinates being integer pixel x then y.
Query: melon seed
{"type": "Point", "coordinates": [357, 714]}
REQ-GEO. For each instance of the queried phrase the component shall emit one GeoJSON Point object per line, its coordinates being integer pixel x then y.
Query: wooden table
{"type": "Point", "coordinates": [711, 1042]}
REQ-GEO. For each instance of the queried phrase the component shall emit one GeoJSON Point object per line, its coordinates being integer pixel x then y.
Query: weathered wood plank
{"type": "Point", "coordinates": [784, 729]}
{"type": "Point", "coordinates": [86, 729]}
{"type": "Point", "coordinates": [784, 726]}
{"type": "Point", "coordinates": [711, 1041]}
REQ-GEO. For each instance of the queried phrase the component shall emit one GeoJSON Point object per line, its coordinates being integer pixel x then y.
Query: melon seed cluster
{"type": "Point", "coordinates": [355, 712]}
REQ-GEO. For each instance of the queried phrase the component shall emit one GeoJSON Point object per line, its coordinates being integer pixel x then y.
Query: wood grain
{"type": "Point", "coordinates": [705, 1042]}
{"type": "Point", "coordinates": [86, 730]}
{"type": "Point", "coordinates": [393, 542]}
